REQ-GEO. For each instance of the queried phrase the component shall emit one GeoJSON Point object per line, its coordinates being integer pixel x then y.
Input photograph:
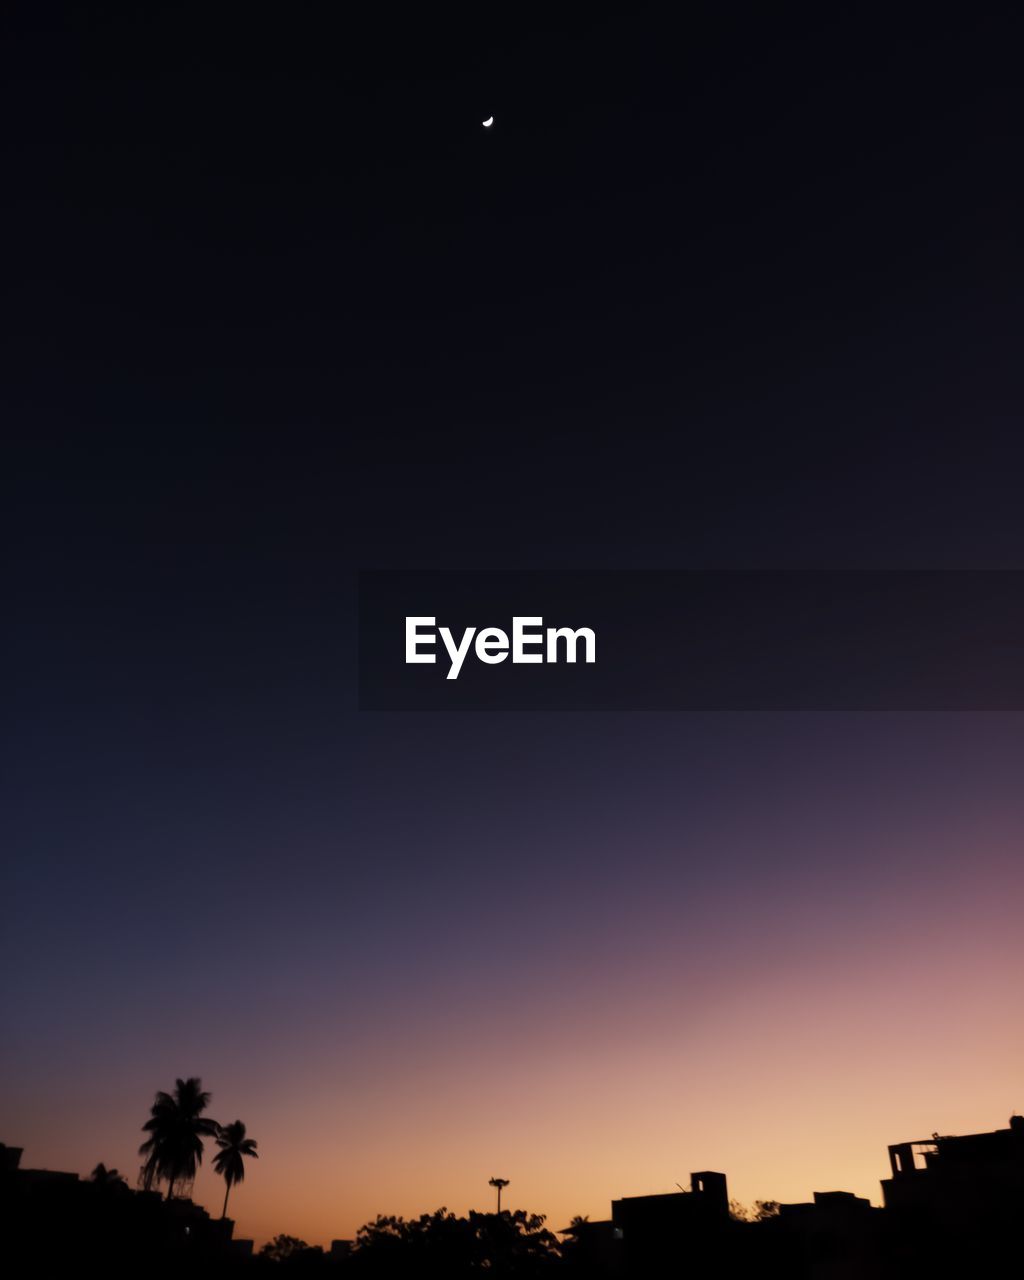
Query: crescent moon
{"type": "Point", "coordinates": [488, 122]}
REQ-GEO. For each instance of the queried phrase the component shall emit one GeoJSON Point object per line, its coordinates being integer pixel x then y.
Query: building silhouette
{"type": "Point", "coordinates": [971, 1179]}
{"type": "Point", "coordinates": [836, 1236]}
{"type": "Point", "coordinates": [57, 1221]}
{"type": "Point", "coordinates": [957, 1201]}
{"type": "Point", "coordinates": [694, 1224]}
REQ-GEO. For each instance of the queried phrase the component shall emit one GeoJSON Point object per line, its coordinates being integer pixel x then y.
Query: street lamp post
{"type": "Point", "coordinates": [499, 1183]}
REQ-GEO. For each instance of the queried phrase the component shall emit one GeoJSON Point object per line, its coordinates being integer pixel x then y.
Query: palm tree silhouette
{"type": "Point", "coordinates": [228, 1161]}
{"type": "Point", "coordinates": [176, 1127]}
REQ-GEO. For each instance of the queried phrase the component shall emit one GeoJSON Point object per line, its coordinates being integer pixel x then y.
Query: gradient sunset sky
{"type": "Point", "coordinates": [734, 298]}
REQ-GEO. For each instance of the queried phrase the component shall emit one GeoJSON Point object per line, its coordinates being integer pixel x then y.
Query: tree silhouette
{"type": "Point", "coordinates": [290, 1249]}
{"type": "Point", "coordinates": [104, 1177]}
{"type": "Point", "coordinates": [761, 1212]}
{"type": "Point", "coordinates": [229, 1160]}
{"type": "Point", "coordinates": [176, 1127]}
{"type": "Point", "coordinates": [444, 1245]}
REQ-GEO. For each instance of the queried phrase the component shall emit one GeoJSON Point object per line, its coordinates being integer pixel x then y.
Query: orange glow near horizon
{"type": "Point", "coordinates": [790, 1071]}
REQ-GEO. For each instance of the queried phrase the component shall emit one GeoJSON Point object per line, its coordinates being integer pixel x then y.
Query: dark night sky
{"type": "Point", "coordinates": [739, 289]}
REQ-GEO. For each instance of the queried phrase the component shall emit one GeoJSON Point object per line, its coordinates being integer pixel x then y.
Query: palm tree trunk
{"type": "Point", "coordinates": [227, 1192]}
{"type": "Point", "coordinates": [170, 1185]}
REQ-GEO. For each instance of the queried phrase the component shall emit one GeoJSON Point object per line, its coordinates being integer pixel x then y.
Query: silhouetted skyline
{"type": "Point", "coordinates": [951, 1202]}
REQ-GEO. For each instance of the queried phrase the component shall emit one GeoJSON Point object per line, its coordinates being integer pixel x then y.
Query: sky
{"type": "Point", "coordinates": [736, 293]}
